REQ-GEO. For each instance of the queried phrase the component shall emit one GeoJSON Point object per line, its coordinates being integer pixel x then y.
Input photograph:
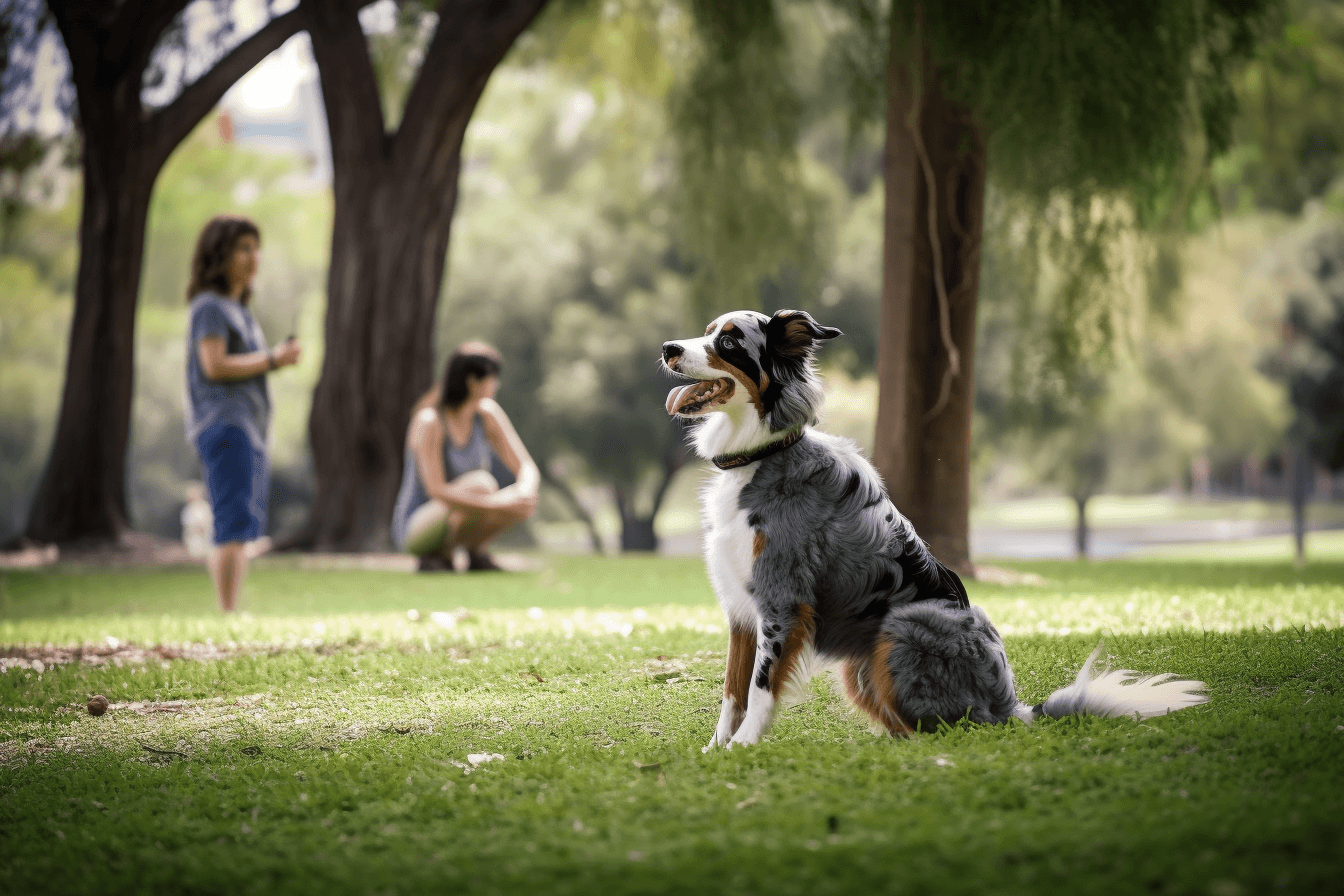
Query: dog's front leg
{"type": "Point", "coordinates": [737, 679]}
{"type": "Point", "coordinates": [783, 636]}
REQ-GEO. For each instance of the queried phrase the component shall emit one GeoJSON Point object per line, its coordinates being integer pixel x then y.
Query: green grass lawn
{"type": "Point", "coordinates": [323, 739]}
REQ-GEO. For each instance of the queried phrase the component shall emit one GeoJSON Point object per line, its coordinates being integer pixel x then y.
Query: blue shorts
{"type": "Point", "coordinates": [238, 476]}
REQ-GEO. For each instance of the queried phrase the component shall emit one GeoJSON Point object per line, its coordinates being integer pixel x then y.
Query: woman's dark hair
{"type": "Point", "coordinates": [474, 360]}
{"type": "Point", "coordinates": [214, 251]}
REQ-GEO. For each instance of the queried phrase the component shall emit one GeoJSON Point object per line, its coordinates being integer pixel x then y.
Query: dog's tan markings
{"type": "Point", "coordinates": [870, 688]}
{"type": "Point", "coordinates": [753, 390]}
{"type": "Point", "coordinates": [709, 329]}
{"type": "Point", "coordinates": [729, 327]}
{"type": "Point", "coordinates": [757, 544]}
{"type": "Point", "coordinates": [797, 338]}
{"type": "Point", "coordinates": [741, 658]}
{"type": "Point", "coordinates": [802, 633]}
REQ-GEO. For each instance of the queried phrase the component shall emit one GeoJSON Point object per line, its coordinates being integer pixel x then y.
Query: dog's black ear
{"type": "Point", "coordinates": [793, 333]}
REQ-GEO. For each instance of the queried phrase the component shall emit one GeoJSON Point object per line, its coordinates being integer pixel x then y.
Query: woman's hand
{"type": "Point", "coordinates": [518, 500]}
{"type": "Point", "coordinates": [287, 353]}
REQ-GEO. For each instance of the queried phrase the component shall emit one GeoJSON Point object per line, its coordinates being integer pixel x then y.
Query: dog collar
{"type": "Point", "coordinates": [730, 461]}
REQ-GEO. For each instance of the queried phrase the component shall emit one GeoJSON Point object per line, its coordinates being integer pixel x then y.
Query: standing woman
{"type": "Point", "coordinates": [448, 498]}
{"type": "Point", "coordinates": [228, 404]}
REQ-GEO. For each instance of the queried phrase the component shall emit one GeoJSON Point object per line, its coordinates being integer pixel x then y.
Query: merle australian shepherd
{"type": "Point", "coordinates": [813, 565]}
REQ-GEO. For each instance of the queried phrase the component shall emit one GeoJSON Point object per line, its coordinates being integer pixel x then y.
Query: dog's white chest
{"type": "Point", "coordinates": [728, 546]}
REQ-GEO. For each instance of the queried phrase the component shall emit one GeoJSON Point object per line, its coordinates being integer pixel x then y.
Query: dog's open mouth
{"type": "Point", "coordinates": [698, 396]}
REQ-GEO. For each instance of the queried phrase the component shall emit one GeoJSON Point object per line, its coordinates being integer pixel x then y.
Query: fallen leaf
{"type": "Point", "coordinates": [478, 758]}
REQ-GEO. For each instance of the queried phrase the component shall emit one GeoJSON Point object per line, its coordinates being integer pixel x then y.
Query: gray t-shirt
{"type": "Point", "coordinates": [242, 403]}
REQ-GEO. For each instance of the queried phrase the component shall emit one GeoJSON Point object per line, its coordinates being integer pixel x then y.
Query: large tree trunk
{"type": "Point", "coordinates": [394, 196]}
{"type": "Point", "coordinates": [386, 273]}
{"type": "Point", "coordinates": [82, 493]}
{"type": "Point", "coordinates": [935, 180]}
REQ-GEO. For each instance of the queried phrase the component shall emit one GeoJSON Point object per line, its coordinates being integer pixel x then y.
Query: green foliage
{"type": "Point", "coordinates": [1088, 97]}
{"type": "Point", "coordinates": [1289, 139]}
{"type": "Point", "coordinates": [563, 258]}
{"type": "Point", "coordinates": [749, 213]}
{"type": "Point", "coordinates": [312, 759]}
{"type": "Point", "coordinates": [1186, 381]}
{"type": "Point", "coordinates": [32, 345]}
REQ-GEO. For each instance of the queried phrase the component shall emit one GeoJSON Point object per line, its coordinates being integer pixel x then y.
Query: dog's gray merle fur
{"type": "Point", "coordinates": [811, 560]}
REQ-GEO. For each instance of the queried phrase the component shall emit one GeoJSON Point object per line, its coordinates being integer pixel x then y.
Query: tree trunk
{"type": "Point", "coordinates": [562, 488]}
{"type": "Point", "coordinates": [1299, 472]}
{"type": "Point", "coordinates": [394, 201]}
{"type": "Point", "coordinates": [637, 533]}
{"type": "Point", "coordinates": [1080, 532]}
{"type": "Point", "coordinates": [383, 287]}
{"type": "Point", "coordinates": [82, 492]}
{"type": "Point", "coordinates": [935, 181]}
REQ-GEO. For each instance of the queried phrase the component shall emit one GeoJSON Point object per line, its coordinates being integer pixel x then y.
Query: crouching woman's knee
{"type": "Point", "coordinates": [477, 481]}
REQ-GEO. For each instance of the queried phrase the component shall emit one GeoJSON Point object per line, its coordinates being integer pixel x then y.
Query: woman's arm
{"type": "Point", "coordinates": [426, 438]}
{"type": "Point", "coordinates": [218, 365]}
{"type": "Point", "coordinates": [510, 448]}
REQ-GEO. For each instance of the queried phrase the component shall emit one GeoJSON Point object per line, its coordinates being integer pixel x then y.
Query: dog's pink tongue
{"type": "Point", "coordinates": [676, 398]}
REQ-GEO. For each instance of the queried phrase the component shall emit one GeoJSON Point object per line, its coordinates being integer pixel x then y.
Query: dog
{"type": "Point", "coordinates": [814, 566]}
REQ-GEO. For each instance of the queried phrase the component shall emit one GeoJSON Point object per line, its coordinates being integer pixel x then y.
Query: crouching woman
{"type": "Point", "coordinates": [448, 497]}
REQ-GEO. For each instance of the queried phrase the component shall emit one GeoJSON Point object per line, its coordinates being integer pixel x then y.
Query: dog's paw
{"type": "Point", "coordinates": [741, 739]}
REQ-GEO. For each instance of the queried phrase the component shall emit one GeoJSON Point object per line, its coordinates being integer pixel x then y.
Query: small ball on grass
{"type": "Point", "coordinates": [97, 705]}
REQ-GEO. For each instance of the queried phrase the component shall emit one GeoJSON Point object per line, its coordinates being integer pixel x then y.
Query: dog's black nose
{"type": "Point", "coordinates": [671, 350]}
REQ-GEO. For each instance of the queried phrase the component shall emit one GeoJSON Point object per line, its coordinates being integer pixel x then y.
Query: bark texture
{"type": "Point", "coordinates": [395, 194]}
{"type": "Point", "coordinates": [82, 493]}
{"type": "Point", "coordinates": [935, 187]}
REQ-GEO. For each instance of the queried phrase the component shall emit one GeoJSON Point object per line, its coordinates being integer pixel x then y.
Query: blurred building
{"type": "Point", "coordinates": [277, 108]}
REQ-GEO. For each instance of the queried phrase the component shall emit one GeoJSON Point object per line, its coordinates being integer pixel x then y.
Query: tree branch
{"type": "Point", "coordinates": [562, 488]}
{"type": "Point", "coordinates": [471, 39]}
{"type": "Point", "coordinates": [349, 86]}
{"type": "Point", "coordinates": [130, 33]}
{"type": "Point", "coordinates": [168, 127]}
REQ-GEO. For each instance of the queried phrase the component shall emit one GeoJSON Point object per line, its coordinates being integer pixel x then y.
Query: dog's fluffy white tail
{"type": "Point", "coordinates": [1119, 692]}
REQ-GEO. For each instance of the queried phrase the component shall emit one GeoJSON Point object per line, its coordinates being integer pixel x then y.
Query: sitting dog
{"type": "Point", "coordinates": [811, 561]}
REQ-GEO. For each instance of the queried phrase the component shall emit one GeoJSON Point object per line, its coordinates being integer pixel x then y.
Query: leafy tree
{"type": "Point", "coordinates": [1060, 103]}
{"type": "Point", "coordinates": [395, 193]}
{"type": "Point", "coordinates": [117, 54]}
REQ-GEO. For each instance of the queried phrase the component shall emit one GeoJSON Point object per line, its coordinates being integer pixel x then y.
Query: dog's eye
{"type": "Point", "coordinates": [727, 343]}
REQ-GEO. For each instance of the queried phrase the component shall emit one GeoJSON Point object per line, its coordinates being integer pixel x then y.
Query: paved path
{"type": "Point", "coordinates": [1105, 542]}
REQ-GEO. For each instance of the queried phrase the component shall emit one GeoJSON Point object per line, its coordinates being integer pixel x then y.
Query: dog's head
{"type": "Point", "coordinates": [750, 364]}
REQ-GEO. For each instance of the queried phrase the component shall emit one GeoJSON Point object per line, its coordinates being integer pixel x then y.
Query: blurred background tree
{"type": "Point", "coordinates": [395, 182]}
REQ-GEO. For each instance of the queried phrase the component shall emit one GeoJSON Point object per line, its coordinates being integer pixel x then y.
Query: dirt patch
{"type": "Point", "coordinates": [115, 653]}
